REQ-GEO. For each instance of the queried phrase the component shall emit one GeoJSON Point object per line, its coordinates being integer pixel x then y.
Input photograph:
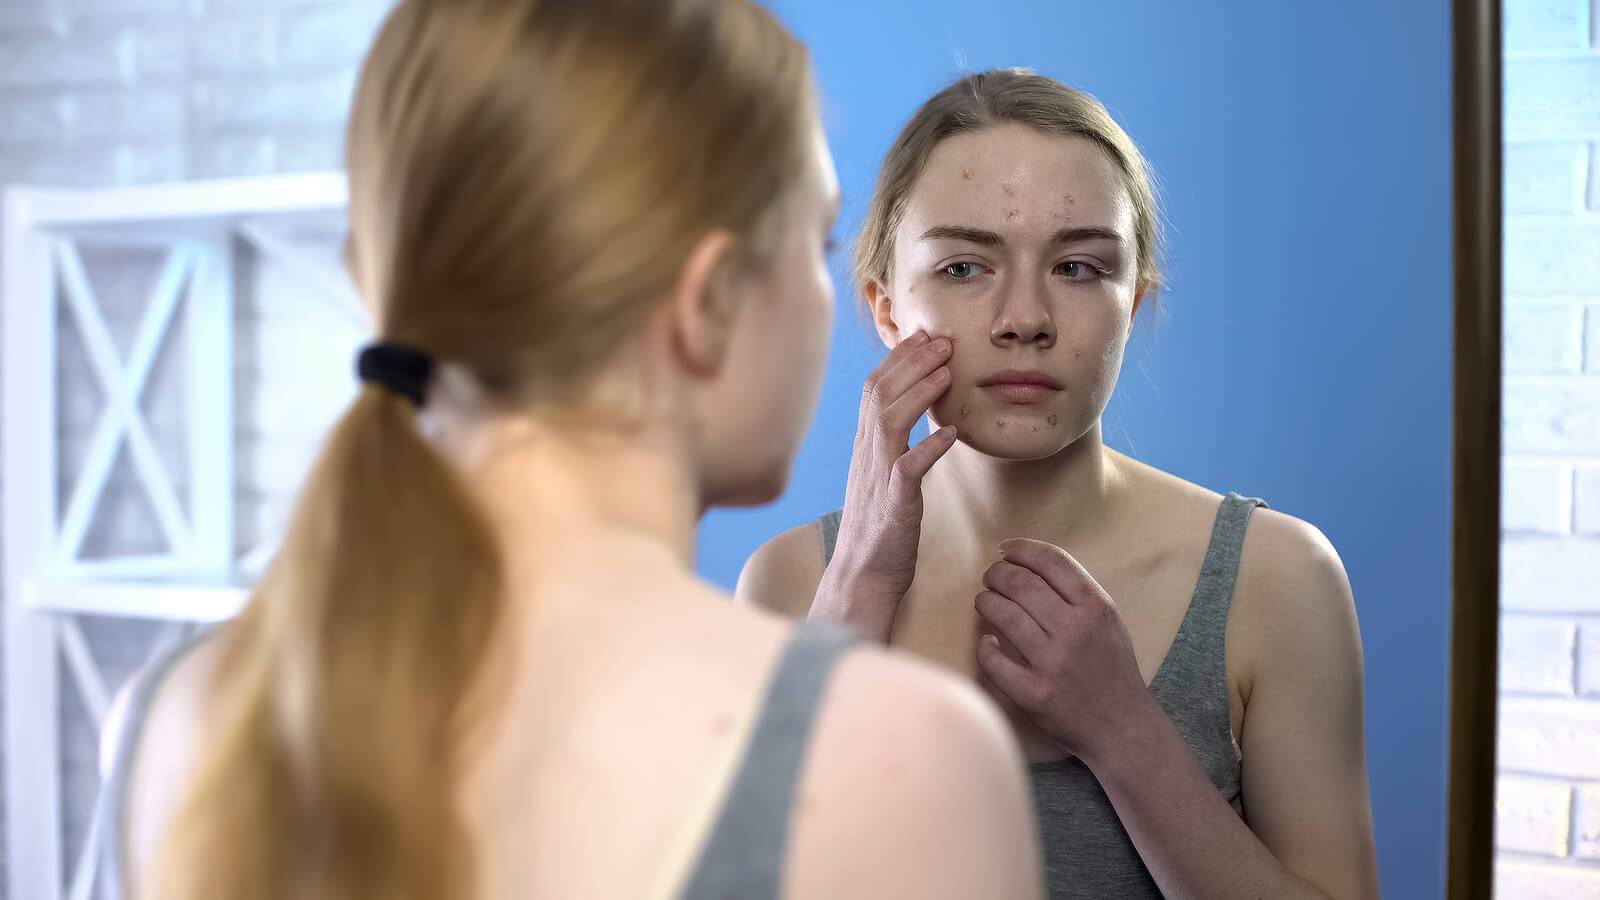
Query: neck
{"type": "Point", "coordinates": [1055, 499]}
{"type": "Point", "coordinates": [554, 491]}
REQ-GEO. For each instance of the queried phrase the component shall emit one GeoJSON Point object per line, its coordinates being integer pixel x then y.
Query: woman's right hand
{"type": "Point", "coordinates": [875, 557]}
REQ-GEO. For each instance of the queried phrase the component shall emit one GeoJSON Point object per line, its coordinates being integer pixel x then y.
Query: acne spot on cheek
{"type": "Point", "coordinates": [1009, 188]}
{"type": "Point", "coordinates": [1012, 216]}
{"type": "Point", "coordinates": [1033, 428]}
{"type": "Point", "coordinates": [1077, 354]}
{"type": "Point", "coordinates": [964, 411]}
{"type": "Point", "coordinates": [1051, 420]}
{"type": "Point", "coordinates": [1069, 199]}
{"type": "Point", "coordinates": [1000, 424]}
{"type": "Point", "coordinates": [967, 174]}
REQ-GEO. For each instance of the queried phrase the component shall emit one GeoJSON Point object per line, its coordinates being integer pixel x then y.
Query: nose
{"type": "Point", "coordinates": [1024, 317]}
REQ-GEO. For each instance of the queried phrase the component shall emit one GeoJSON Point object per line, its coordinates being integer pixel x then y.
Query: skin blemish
{"type": "Point", "coordinates": [1078, 354]}
{"type": "Point", "coordinates": [1012, 216]}
{"type": "Point", "coordinates": [1009, 188]}
{"type": "Point", "coordinates": [964, 413]}
{"type": "Point", "coordinates": [967, 174]}
{"type": "Point", "coordinates": [1000, 423]}
{"type": "Point", "coordinates": [722, 724]}
{"type": "Point", "coordinates": [1051, 420]}
{"type": "Point", "coordinates": [1069, 198]}
{"type": "Point", "coordinates": [1033, 428]}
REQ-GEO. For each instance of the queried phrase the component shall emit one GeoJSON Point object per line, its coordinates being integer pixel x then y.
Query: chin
{"type": "Point", "coordinates": [752, 487]}
{"type": "Point", "coordinates": [1008, 443]}
{"type": "Point", "coordinates": [1011, 431]}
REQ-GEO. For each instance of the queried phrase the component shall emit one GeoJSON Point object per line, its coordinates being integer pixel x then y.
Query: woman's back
{"type": "Point", "coordinates": [591, 235]}
{"type": "Point", "coordinates": [628, 716]}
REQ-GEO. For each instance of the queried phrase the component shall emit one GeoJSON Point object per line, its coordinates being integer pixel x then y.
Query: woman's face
{"type": "Point", "coordinates": [780, 352]}
{"type": "Point", "coordinates": [1019, 246]}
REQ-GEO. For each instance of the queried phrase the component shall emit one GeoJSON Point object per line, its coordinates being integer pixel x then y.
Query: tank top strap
{"type": "Point", "coordinates": [828, 525]}
{"type": "Point", "coordinates": [1196, 664]}
{"type": "Point", "coordinates": [744, 853]}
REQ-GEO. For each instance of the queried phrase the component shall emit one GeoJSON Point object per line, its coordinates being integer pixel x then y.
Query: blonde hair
{"type": "Point", "coordinates": [527, 176]}
{"type": "Point", "coordinates": [980, 100]}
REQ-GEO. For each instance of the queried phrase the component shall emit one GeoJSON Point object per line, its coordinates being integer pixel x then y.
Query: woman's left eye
{"type": "Point", "coordinates": [1077, 271]}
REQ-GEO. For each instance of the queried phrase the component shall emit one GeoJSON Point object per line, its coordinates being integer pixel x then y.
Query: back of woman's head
{"type": "Point", "coordinates": [527, 177]}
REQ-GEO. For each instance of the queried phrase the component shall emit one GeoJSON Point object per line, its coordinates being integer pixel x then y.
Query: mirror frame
{"type": "Point", "coordinates": [1475, 532]}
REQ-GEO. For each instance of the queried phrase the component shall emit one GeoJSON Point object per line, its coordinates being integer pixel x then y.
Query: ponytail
{"type": "Point", "coordinates": [343, 685]}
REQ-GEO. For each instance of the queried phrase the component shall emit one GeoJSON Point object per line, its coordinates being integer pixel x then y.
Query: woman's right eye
{"type": "Point", "coordinates": [962, 271]}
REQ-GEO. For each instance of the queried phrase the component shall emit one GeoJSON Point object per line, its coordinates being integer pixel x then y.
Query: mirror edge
{"type": "Point", "coordinates": [1475, 532]}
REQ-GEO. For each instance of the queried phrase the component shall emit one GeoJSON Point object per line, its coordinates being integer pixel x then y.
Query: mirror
{"type": "Point", "coordinates": [1302, 352]}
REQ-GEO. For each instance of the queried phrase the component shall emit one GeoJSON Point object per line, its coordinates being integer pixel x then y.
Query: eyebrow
{"type": "Point", "coordinates": [985, 238]}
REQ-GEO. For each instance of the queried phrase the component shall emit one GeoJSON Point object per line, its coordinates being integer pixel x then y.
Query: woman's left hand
{"type": "Point", "coordinates": [1077, 680]}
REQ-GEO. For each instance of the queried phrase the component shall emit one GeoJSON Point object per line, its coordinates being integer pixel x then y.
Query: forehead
{"type": "Point", "coordinates": [1014, 176]}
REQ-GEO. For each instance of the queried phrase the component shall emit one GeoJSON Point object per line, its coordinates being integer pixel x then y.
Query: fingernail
{"type": "Point", "coordinates": [920, 337]}
{"type": "Point", "coordinates": [942, 345]}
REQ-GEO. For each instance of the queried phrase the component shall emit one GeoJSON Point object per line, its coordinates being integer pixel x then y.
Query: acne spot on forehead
{"type": "Point", "coordinates": [1009, 188]}
{"type": "Point", "coordinates": [1051, 420]}
{"type": "Point", "coordinates": [1012, 216]}
{"type": "Point", "coordinates": [1033, 428]}
{"type": "Point", "coordinates": [968, 174]}
{"type": "Point", "coordinates": [1069, 199]}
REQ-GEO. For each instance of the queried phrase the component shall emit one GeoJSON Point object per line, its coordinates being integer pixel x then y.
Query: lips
{"type": "Point", "coordinates": [1021, 386]}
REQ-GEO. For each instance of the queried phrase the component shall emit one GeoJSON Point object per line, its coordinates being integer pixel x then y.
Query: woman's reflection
{"type": "Point", "coordinates": [1202, 734]}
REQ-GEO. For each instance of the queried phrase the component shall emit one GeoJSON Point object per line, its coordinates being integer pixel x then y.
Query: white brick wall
{"type": "Point", "coordinates": [113, 92]}
{"type": "Point", "coordinates": [1547, 810]}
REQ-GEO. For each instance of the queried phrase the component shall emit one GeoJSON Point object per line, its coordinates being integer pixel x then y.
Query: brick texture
{"type": "Point", "coordinates": [1533, 815]}
{"type": "Point", "coordinates": [1538, 655]}
{"type": "Point", "coordinates": [1548, 808]}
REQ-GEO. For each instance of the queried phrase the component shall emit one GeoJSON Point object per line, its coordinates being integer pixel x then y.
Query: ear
{"type": "Point", "coordinates": [882, 306]}
{"type": "Point", "coordinates": [702, 308]}
{"type": "Point", "coordinates": [1138, 299]}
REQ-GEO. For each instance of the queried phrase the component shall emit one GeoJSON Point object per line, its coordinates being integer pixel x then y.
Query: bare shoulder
{"type": "Point", "coordinates": [915, 787]}
{"type": "Point", "coordinates": [783, 574]}
{"type": "Point", "coordinates": [1293, 600]}
{"type": "Point", "coordinates": [167, 745]}
{"type": "Point", "coordinates": [1284, 558]}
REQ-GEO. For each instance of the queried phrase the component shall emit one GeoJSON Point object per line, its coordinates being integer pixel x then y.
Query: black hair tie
{"type": "Point", "coordinates": [396, 368]}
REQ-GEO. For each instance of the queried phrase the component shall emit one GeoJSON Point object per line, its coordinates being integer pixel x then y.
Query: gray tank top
{"type": "Point", "coordinates": [1088, 854]}
{"type": "Point", "coordinates": [745, 849]}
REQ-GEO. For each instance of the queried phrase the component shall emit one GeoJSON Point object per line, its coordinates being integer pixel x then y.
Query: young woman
{"type": "Point", "coordinates": [591, 237]}
{"type": "Point", "coordinates": [1184, 669]}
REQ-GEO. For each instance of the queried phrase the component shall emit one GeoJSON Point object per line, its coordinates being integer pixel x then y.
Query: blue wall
{"type": "Point", "coordinates": [1302, 352]}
